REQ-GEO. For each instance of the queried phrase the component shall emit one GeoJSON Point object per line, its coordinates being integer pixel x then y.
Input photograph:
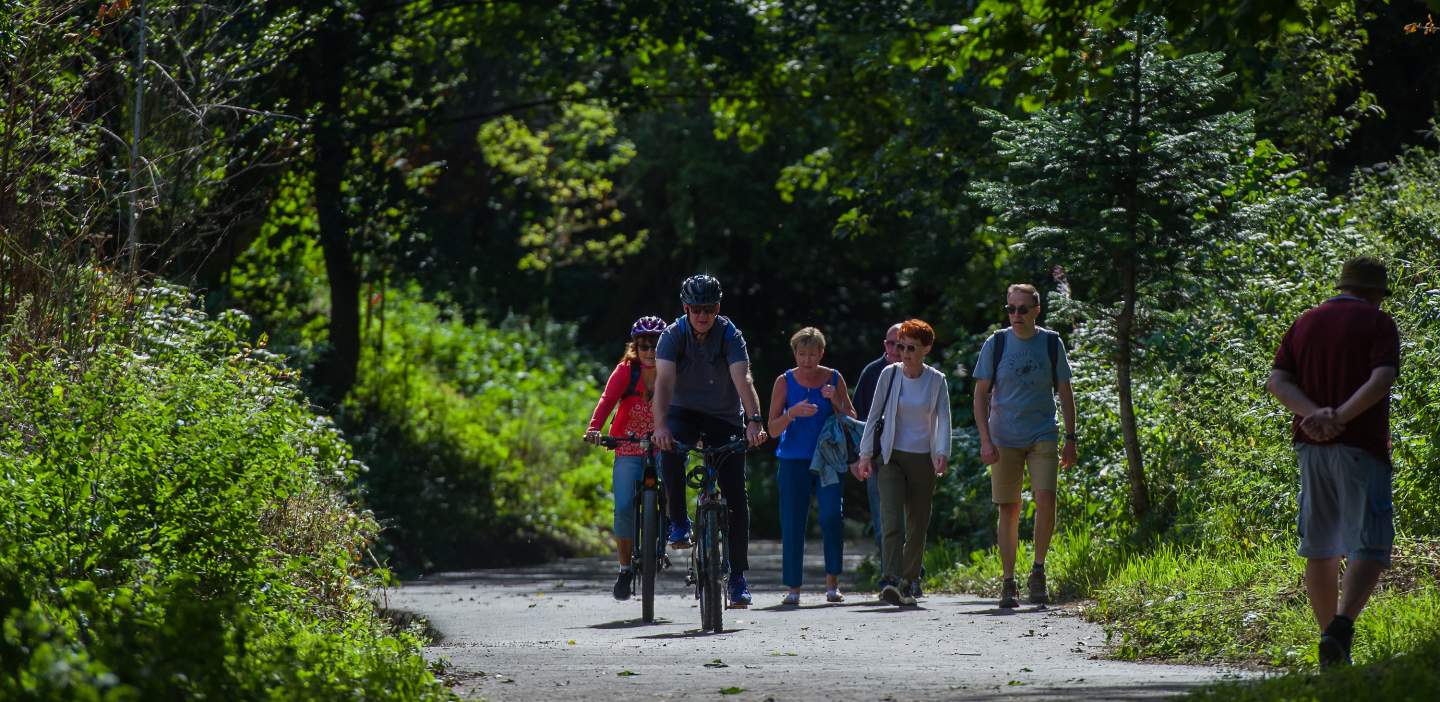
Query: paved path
{"type": "Point", "coordinates": [554, 632]}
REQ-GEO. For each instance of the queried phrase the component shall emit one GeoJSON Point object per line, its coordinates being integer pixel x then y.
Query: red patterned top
{"type": "Point", "coordinates": [633, 417]}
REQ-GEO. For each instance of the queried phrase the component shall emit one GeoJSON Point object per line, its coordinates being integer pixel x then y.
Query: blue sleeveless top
{"type": "Point", "coordinates": [800, 436]}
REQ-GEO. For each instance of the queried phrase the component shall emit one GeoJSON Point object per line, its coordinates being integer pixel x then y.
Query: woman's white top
{"type": "Point", "coordinates": [916, 411]}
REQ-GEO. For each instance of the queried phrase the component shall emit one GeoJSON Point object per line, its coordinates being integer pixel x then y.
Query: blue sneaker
{"type": "Point", "coordinates": [680, 536]}
{"type": "Point", "coordinates": [739, 591]}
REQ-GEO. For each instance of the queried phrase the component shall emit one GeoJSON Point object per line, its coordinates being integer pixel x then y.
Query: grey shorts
{"type": "Point", "coordinates": [1345, 507]}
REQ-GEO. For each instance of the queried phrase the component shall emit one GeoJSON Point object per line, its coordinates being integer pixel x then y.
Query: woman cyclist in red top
{"type": "Point", "coordinates": [629, 388]}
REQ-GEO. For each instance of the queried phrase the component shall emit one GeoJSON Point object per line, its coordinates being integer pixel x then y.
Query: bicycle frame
{"type": "Point", "coordinates": [710, 557]}
{"type": "Point", "coordinates": [648, 540]}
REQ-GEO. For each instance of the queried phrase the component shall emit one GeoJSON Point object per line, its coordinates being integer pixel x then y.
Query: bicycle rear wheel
{"type": "Point", "coordinates": [649, 551]}
{"type": "Point", "coordinates": [713, 577]}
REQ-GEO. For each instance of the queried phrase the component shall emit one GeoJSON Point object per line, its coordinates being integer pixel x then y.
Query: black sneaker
{"type": "Point", "coordinates": [1009, 594]}
{"type": "Point", "coordinates": [1335, 643]}
{"type": "Point", "coordinates": [1039, 594]}
{"type": "Point", "coordinates": [915, 590]}
{"type": "Point", "coordinates": [622, 584]}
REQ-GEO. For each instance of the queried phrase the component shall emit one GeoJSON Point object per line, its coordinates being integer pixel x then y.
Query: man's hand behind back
{"type": "Point", "coordinates": [1322, 425]}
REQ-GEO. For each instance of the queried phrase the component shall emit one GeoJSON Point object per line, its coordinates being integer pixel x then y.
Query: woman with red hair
{"type": "Point", "coordinates": [909, 423]}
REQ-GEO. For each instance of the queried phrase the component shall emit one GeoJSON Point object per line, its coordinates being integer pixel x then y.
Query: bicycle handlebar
{"type": "Point", "coordinates": [735, 445]}
{"type": "Point", "coordinates": [614, 441]}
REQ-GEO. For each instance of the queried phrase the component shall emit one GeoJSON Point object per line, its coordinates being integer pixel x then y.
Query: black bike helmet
{"type": "Point", "coordinates": [700, 290]}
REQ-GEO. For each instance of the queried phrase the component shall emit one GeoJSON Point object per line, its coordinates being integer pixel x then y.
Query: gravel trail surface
{"type": "Point", "coordinates": [554, 632]}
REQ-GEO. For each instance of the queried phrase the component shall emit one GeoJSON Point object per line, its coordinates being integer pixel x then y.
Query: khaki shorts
{"type": "Point", "coordinates": [1006, 476]}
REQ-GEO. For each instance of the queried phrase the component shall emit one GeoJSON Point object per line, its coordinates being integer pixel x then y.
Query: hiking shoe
{"type": "Point", "coordinates": [1335, 643]}
{"type": "Point", "coordinates": [890, 594]}
{"type": "Point", "coordinates": [1009, 594]}
{"type": "Point", "coordinates": [622, 584]}
{"type": "Point", "coordinates": [680, 536]}
{"type": "Point", "coordinates": [1332, 653]}
{"type": "Point", "coordinates": [792, 599]}
{"type": "Point", "coordinates": [739, 591]}
{"type": "Point", "coordinates": [907, 594]}
{"type": "Point", "coordinates": [1039, 594]}
{"type": "Point", "coordinates": [834, 596]}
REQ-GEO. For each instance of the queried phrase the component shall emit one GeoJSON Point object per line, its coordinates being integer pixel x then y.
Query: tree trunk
{"type": "Point", "coordinates": [1134, 461]}
{"type": "Point", "coordinates": [1125, 325]}
{"type": "Point", "coordinates": [336, 371]}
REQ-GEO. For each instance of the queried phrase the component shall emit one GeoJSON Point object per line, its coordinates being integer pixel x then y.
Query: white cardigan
{"type": "Point", "coordinates": [889, 399]}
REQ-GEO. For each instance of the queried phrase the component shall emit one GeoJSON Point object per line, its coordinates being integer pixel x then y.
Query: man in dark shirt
{"type": "Point", "coordinates": [1334, 370]}
{"type": "Point", "coordinates": [704, 391]}
{"type": "Point", "coordinates": [864, 395]}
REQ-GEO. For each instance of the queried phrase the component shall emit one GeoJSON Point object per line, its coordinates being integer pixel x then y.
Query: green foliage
{"type": "Point", "coordinates": [177, 527]}
{"type": "Point", "coordinates": [471, 433]}
{"type": "Point", "coordinates": [44, 156]}
{"type": "Point", "coordinates": [1133, 172]}
{"type": "Point", "coordinates": [1243, 602]}
{"type": "Point", "coordinates": [567, 172]}
{"type": "Point", "coordinates": [1314, 65]}
{"type": "Point", "coordinates": [1414, 675]}
{"type": "Point", "coordinates": [1079, 562]}
{"type": "Point", "coordinates": [277, 280]}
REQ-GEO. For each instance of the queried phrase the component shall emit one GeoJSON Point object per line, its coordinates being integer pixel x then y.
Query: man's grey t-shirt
{"type": "Point", "coordinates": [1022, 403]}
{"type": "Point", "coordinates": [702, 370]}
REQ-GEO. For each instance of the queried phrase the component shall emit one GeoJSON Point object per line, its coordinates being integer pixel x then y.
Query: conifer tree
{"type": "Point", "coordinates": [1128, 184]}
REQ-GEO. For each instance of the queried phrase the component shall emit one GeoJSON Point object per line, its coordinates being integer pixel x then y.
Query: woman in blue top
{"type": "Point", "coordinates": [803, 398]}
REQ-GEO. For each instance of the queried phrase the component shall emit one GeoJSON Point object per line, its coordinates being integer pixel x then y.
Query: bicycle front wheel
{"type": "Point", "coordinates": [649, 551]}
{"type": "Point", "coordinates": [713, 578]}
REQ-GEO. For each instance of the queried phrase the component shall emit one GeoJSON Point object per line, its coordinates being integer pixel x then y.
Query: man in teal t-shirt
{"type": "Point", "coordinates": [1015, 415]}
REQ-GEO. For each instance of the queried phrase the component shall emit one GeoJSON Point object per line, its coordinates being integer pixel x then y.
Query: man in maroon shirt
{"type": "Point", "coordinates": [1334, 369]}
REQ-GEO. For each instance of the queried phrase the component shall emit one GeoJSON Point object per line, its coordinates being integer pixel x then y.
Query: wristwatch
{"type": "Point", "coordinates": [756, 419]}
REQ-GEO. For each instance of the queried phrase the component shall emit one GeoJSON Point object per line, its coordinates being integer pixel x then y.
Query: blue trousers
{"type": "Point", "coordinates": [797, 484]}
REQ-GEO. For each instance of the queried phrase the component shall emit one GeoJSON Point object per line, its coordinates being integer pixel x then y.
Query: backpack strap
{"type": "Point", "coordinates": [683, 324]}
{"type": "Point", "coordinates": [1052, 344]}
{"type": "Point", "coordinates": [996, 354]}
{"type": "Point", "coordinates": [634, 381]}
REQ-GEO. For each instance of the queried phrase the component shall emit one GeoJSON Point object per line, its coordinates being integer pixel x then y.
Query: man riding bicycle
{"type": "Point", "coordinates": [696, 356]}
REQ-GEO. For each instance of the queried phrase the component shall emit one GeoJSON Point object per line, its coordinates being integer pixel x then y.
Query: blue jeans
{"type": "Point", "coordinates": [797, 484]}
{"type": "Point", "coordinates": [627, 472]}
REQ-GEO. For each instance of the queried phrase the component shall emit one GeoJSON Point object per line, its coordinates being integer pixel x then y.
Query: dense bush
{"type": "Point", "coordinates": [176, 527]}
{"type": "Point", "coordinates": [469, 430]}
{"type": "Point", "coordinates": [471, 433]}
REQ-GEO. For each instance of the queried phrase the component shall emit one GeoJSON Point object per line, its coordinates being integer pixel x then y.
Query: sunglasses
{"type": "Point", "coordinates": [1017, 309]}
{"type": "Point", "coordinates": [645, 346]}
{"type": "Point", "coordinates": [907, 348]}
{"type": "Point", "coordinates": [704, 309]}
